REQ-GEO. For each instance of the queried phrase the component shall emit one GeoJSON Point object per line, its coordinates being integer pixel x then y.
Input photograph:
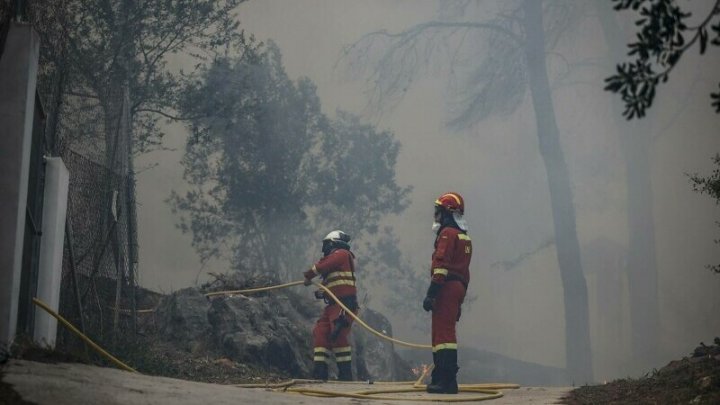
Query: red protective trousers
{"type": "Point", "coordinates": [324, 327]}
{"type": "Point", "coordinates": [445, 315]}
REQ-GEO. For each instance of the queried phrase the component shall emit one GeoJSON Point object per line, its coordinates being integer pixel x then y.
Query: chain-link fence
{"type": "Point", "coordinates": [84, 117]}
{"type": "Point", "coordinates": [100, 261]}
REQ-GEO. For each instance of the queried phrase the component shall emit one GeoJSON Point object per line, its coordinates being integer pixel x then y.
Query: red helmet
{"type": "Point", "coordinates": [452, 202]}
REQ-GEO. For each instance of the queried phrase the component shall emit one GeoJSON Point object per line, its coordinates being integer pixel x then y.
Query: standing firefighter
{"type": "Point", "coordinates": [331, 331]}
{"type": "Point", "coordinates": [450, 275]}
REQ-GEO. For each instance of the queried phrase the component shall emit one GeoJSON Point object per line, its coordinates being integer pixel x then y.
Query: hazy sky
{"type": "Point", "coordinates": [497, 167]}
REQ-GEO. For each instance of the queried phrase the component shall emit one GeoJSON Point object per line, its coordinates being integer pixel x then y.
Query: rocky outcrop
{"type": "Point", "coordinates": [183, 318]}
{"type": "Point", "coordinates": [375, 357]}
{"type": "Point", "coordinates": [264, 329]}
{"type": "Point", "coordinates": [270, 330]}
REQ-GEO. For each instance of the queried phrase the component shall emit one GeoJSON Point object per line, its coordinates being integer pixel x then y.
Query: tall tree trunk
{"type": "Point", "coordinates": [642, 265]}
{"type": "Point", "coordinates": [577, 332]}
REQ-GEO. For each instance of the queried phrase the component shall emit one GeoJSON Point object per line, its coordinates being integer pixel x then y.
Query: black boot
{"type": "Point", "coordinates": [433, 374]}
{"type": "Point", "coordinates": [320, 370]}
{"type": "Point", "coordinates": [440, 384]}
{"type": "Point", "coordinates": [452, 369]}
{"type": "Point", "coordinates": [446, 376]}
{"type": "Point", "coordinates": [344, 371]}
{"type": "Point", "coordinates": [452, 386]}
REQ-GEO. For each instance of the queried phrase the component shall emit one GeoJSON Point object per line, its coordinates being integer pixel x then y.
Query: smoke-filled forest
{"type": "Point", "coordinates": [458, 104]}
{"type": "Point", "coordinates": [219, 141]}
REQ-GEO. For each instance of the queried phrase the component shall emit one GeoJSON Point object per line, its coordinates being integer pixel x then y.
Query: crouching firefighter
{"type": "Point", "coordinates": [330, 335]}
{"type": "Point", "coordinates": [450, 275]}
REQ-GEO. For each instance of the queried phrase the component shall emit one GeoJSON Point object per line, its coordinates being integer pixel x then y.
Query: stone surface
{"type": "Point", "coordinates": [263, 329]}
{"type": "Point", "coordinates": [376, 357]}
{"type": "Point", "coordinates": [272, 330]}
{"type": "Point", "coordinates": [183, 317]}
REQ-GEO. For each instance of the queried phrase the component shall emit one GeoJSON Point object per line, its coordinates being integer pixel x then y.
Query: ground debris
{"type": "Point", "coordinates": [694, 379]}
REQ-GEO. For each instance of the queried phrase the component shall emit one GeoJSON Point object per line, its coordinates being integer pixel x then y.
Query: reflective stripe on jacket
{"type": "Point", "coordinates": [451, 258]}
{"type": "Point", "coordinates": [338, 272]}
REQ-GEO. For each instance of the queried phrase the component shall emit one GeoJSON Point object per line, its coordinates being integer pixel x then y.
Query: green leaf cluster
{"type": "Point", "coordinates": [93, 49]}
{"type": "Point", "coordinates": [662, 39]}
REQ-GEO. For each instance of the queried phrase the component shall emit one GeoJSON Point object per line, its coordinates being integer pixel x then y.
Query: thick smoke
{"type": "Point", "coordinates": [496, 165]}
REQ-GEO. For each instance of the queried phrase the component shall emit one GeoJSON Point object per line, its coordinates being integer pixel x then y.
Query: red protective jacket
{"type": "Point", "coordinates": [451, 258]}
{"type": "Point", "coordinates": [337, 271]}
{"type": "Point", "coordinates": [450, 261]}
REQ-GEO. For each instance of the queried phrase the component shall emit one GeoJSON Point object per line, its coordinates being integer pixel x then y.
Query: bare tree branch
{"type": "Point", "coordinates": [420, 28]}
{"type": "Point", "coordinates": [168, 115]}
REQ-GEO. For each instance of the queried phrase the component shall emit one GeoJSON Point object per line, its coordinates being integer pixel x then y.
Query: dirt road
{"type": "Point", "coordinates": [70, 384]}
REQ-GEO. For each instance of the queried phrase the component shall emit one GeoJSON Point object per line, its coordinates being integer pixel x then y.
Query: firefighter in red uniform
{"type": "Point", "coordinates": [450, 275]}
{"type": "Point", "coordinates": [330, 335]}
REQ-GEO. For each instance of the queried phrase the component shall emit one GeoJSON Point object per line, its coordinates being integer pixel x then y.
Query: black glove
{"type": "Point", "coordinates": [430, 296]}
{"type": "Point", "coordinates": [308, 277]}
{"type": "Point", "coordinates": [319, 294]}
{"type": "Point", "coordinates": [428, 303]}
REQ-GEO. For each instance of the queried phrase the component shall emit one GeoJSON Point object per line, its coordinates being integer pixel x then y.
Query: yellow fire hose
{"type": "Point", "coordinates": [85, 339]}
{"type": "Point", "coordinates": [254, 290]}
{"type": "Point", "coordinates": [334, 297]}
{"type": "Point", "coordinates": [372, 394]}
{"type": "Point", "coordinates": [490, 390]}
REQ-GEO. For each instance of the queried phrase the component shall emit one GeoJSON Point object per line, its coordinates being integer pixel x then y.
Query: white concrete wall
{"type": "Point", "coordinates": [57, 182]}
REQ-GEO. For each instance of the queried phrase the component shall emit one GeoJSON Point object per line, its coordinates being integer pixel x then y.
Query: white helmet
{"type": "Point", "coordinates": [335, 240]}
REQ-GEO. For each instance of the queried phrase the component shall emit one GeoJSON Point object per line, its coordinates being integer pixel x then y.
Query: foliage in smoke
{"type": "Point", "coordinates": [271, 174]}
{"type": "Point", "coordinates": [492, 58]}
{"type": "Point", "coordinates": [91, 49]}
{"type": "Point", "coordinates": [484, 57]}
{"type": "Point", "coordinates": [106, 82]}
{"type": "Point", "coordinates": [710, 185]}
{"type": "Point", "coordinates": [406, 284]}
{"type": "Point", "coordinates": [663, 37]}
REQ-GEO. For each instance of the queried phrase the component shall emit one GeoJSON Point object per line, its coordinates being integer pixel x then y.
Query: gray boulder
{"type": "Point", "coordinates": [265, 329]}
{"type": "Point", "coordinates": [183, 318]}
{"type": "Point", "coordinates": [375, 358]}
{"type": "Point", "coordinates": [270, 330]}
